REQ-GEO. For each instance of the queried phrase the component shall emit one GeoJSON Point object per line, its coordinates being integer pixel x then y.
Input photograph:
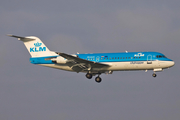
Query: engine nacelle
{"type": "Point", "coordinates": [59, 60]}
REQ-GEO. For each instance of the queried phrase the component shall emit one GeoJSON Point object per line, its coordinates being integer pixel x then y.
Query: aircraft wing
{"type": "Point", "coordinates": [78, 64]}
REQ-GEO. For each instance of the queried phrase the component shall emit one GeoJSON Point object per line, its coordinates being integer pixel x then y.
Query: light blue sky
{"type": "Point", "coordinates": [30, 92]}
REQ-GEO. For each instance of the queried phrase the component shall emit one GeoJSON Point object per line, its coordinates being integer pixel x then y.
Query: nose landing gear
{"type": "Point", "coordinates": [154, 75]}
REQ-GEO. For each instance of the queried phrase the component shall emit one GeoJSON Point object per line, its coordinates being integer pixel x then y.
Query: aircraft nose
{"type": "Point", "coordinates": [171, 63]}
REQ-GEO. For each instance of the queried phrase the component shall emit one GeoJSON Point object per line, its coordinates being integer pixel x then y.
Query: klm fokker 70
{"type": "Point", "coordinates": [94, 63]}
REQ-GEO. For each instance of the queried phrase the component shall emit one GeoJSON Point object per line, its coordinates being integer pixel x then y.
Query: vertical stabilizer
{"type": "Point", "coordinates": [35, 46]}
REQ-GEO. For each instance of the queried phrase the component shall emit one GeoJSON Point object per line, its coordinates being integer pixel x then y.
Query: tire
{"type": "Point", "coordinates": [98, 79]}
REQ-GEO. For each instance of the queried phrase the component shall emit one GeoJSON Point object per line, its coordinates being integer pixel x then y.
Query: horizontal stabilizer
{"type": "Point", "coordinates": [24, 39]}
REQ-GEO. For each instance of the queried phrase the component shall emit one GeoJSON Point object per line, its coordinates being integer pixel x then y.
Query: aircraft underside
{"type": "Point", "coordinates": [117, 66]}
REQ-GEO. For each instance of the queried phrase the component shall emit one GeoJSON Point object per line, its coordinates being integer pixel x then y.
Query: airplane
{"type": "Point", "coordinates": [94, 63]}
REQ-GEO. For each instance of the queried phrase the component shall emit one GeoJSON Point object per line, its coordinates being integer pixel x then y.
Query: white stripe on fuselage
{"type": "Point", "coordinates": [122, 66]}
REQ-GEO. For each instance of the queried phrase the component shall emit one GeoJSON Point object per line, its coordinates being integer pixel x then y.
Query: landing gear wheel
{"type": "Point", "coordinates": [98, 79]}
{"type": "Point", "coordinates": [154, 75]}
{"type": "Point", "coordinates": [89, 76]}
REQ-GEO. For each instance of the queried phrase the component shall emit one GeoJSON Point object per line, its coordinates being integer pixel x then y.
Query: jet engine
{"type": "Point", "coordinates": [59, 60]}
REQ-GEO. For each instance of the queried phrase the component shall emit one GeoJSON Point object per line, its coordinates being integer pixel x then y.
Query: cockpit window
{"type": "Point", "coordinates": [160, 56]}
{"type": "Point", "coordinates": [164, 56]}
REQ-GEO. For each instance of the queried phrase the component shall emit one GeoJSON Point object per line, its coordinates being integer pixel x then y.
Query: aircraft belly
{"type": "Point", "coordinates": [114, 66]}
{"type": "Point", "coordinates": [132, 65]}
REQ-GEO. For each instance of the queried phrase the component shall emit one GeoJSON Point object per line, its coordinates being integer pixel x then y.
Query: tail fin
{"type": "Point", "coordinates": [35, 46]}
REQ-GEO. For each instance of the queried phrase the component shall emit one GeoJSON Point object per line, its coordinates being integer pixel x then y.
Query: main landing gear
{"type": "Point", "coordinates": [97, 79]}
{"type": "Point", "coordinates": [89, 75]}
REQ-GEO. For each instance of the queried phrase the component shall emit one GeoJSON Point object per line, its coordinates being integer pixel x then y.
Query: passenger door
{"type": "Point", "coordinates": [149, 59]}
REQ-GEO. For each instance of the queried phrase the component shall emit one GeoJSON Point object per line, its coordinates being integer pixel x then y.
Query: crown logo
{"type": "Point", "coordinates": [139, 54]}
{"type": "Point", "coordinates": [37, 44]}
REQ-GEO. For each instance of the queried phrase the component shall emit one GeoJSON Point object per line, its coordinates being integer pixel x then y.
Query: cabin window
{"type": "Point", "coordinates": [128, 57]}
{"type": "Point", "coordinates": [112, 58]}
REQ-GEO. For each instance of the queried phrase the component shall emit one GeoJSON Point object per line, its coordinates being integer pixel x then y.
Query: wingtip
{"type": "Point", "coordinates": [9, 35]}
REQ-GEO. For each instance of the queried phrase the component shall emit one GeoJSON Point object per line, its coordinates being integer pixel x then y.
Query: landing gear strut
{"type": "Point", "coordinates": [154, 75]}
{"type": "Point", "coordinates": [89, 75]}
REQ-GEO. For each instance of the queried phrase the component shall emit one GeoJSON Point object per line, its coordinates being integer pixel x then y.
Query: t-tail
{"type": "Point", "coordinates": [35, 46]}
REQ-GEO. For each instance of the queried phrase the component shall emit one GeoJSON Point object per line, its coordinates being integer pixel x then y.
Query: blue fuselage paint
{"type": "Point", "coordinates": [132, 57]}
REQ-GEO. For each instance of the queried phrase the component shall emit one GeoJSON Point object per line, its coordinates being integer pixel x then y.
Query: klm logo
{"type": "Point", "coordinates": [37, 48]}
{"type": "Point", "coordinates": [139, 55]}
